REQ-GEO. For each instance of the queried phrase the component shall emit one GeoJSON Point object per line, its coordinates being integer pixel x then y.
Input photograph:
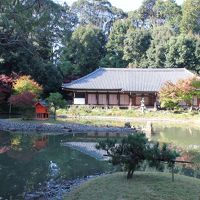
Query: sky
{"type": "Point", "coordinates": [126, 5]}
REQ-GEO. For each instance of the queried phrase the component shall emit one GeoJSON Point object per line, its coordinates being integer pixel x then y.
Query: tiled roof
{"type": "Point", "coordinates": [127, 79]}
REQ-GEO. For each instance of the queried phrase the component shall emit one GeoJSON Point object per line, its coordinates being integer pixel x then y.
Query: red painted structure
{"type": "Point", "coordinates": [41, 111]}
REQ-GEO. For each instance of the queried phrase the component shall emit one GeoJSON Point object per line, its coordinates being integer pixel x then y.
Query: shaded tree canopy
{"type": "Point", "coordinates": [30, 32]}
{"type": "Point", "coordinates": [84, 51]}
{"type": "Point", "coordinates": [6, 84]}
{"type": "Point", "coordinates": [53, 42]}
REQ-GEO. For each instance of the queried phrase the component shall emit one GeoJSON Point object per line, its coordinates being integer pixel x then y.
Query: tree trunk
{"type": "Point", "coordinates": [55, 114]}
{"type": "Point", "coordinates": [130, 173]}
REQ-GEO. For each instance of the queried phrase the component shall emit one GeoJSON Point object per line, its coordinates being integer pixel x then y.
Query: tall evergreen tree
{"type": "Point", "coordinates": [156, 54]}
{"type": "Point", "coordinates": [136, 44]}
{"type": "Point", "coordinates": [181, 52]}
{"type": "Point", "coordinates": [115, 45]}
{"type": "Point", "coordinates": [191, 16]}
{"type": "Point", "coordinates": [84, 51]}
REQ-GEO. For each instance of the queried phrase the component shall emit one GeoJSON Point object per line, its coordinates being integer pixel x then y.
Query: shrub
{"type": "Point", "coordinates": [133, 150]}
{"type": "Point", "coordinates": [56, 101]}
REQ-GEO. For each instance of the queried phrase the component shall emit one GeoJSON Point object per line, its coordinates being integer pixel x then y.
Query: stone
{"type": "Point", "coordinates": [127, 125]}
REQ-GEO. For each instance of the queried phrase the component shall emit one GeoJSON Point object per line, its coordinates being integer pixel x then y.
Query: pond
{"type": "Point", "coordinates": [183, 136]}
{"type": "Point", "coordinates": [28, 162]}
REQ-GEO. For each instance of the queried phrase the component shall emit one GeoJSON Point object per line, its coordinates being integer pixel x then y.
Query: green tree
{"type": "Point", "coordinates": [31, 34]}
{"type": "Point", "coordinates": [154, 13]}
{"type": "Point", "coordinates": [84, 51]}
{"type": "Point", "coordinates": [56, 101]}
{"type": "Point", "coordinates": [99, 13]}
{"type": "Point", "coordinates": [156, 54]}
{"type": "Point", "coordinates": [136, 44]}
{"type": "Point", "coordinates": [181, 52]}
{"type": "Point", "coordinates": [197, 54]}
{"type": "Point", "coordinates": [147, 14]}
{"type": "Point", "coordinates": [133, 150]}
{"type": "Point", "coordinates": [191, 17]}
{"type": "Point", "coordinates": [115, 45]}
{"type": "Point", "coordinates": [167, 12]}
{"type": "Point", "coordinates": [6, 84]}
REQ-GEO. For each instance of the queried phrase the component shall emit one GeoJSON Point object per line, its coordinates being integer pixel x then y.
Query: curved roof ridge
{"type": "Point", "coordinates": [128, 79]}
{"type": "Point", "coordinates": [86, 76]}
{"type": "Point", "coordinates": [192, 73]}
{"type": "Point", "coordinates": [146, 69]}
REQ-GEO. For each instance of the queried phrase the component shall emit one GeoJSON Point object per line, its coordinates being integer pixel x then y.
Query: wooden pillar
{"type": "Point", "coordinates": [97, 98]}
{"type": "Point", "coordinates": [107, 97]}
{"type": "Point", "coordinates": [133, 99]}
{"type": "Point", "coordinates": [74, 97]}
{"type": "Point", "coordinates": [118, 99]}
{"type": "Point", "coordinates": [86, 98]}
{"type": "Point", "coordinates": [130, 100]}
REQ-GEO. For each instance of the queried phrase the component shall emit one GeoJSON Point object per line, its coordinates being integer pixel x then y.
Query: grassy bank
{"type": "Point", "coordinates": [132, 113]}
{"type": "Point", "coordinates": [143, 186]}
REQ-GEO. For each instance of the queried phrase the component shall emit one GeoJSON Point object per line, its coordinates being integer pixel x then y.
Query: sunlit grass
{"type": "Point", "coordinates": [132, 113]}
{"type": "Point", "coordinates": [143, 186]}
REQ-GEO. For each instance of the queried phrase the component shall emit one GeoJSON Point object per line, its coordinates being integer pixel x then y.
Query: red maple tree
{"type": "Point", "coordinates": [6, 83]}
{"type": "Point", "coordinates": [23, 100]}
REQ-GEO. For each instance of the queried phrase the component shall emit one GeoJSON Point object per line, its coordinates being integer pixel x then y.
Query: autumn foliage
{"type": "Point", "coordinates": [6, 83]}
{"type": "Point", "coordinates": [26, 84]}
{"type": "Point", "coordinates": [24, 100]}
{"type": "Point", "coordinates": [183, 91]}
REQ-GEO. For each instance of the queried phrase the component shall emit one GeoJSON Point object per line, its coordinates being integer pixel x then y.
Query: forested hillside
{"type": "Point", "coordinates": [54, 43]}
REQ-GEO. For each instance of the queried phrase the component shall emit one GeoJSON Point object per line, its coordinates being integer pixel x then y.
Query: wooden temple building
{"type": "Point", "coordinates": [123, 87]}
{"type": "Point", "coordinates": [41, 110]}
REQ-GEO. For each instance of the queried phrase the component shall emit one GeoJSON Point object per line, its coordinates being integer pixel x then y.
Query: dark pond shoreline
{"type": "Point", "coordinates": [56, 189]}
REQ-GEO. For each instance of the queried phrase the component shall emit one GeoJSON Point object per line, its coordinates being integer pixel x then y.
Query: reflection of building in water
{"type": "Point", "coordinates": [103, 134]}
{"type": "Point", "coordinates": [5, 143]}
{"type": "Point", "coordinates": [41, 143]}
{"type": "Point", "coordinates": [24, 155]}
{"type": "Point", "coordinates": [4, 149]}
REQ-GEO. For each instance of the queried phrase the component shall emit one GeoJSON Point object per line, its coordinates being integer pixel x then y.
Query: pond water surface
{"type": "Point", "coordinates": [27, 161]}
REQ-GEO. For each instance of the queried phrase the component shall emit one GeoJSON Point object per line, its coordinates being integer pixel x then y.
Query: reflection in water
{"type": "Point", "coordinates": [28, 161]}
{"type": "Point", "coordinates": [4, 149]}
{"type": "Point", "coordinates": [54, 169]}
{"type": "Point", "coordinates": [185, 137]}
{"type": "Point", "coordinates": [40, 142]}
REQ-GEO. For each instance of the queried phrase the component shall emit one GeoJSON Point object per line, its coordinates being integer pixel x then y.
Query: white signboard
{"type": "Point", "coordinates": [79, 101]}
